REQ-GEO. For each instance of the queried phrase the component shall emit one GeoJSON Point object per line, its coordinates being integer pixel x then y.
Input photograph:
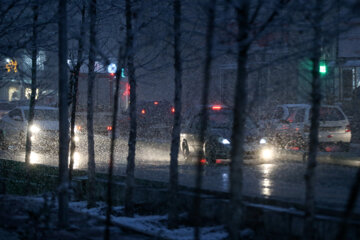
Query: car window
{"type": "Point", "coordinates": [15, 112]}
{"type": "Point", "coordinates": [330, 114]}
{"type": "Point", "coordinates": [296, 115]}
{"type": "Point", "coordinates": [44, 114]}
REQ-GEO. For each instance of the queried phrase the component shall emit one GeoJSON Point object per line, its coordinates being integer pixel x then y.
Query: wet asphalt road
{"type": "Point", "coordinates": [281, 178]}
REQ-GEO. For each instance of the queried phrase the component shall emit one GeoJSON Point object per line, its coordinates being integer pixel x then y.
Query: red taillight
{"type": "Point", "coordinates": [203, 161]}
{"type": "Point", "coordinates": [216, 107]}
{"type": "Point", "coordinates": [156, 103]}
{"type": "Point", "coordinates": [109, 128]}
{"type": "Point", "coordinates": [347, 128]}
{"type": "Point", "coordinates": [143, 111]}
{"type": "Point", "coordinates": [172, 110]}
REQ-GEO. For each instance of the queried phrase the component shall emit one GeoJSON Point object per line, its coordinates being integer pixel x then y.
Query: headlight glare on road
{"type": "Point", "coordinates": [263, 141]}
{"type": "Point", "coordinates": [224, 141]}
{"type": "Point", "coordinates": [34, 129]}
{"type": "Point", "coordinates": [76, 138]}
{"type": "Point", "coordinates": [267, 153]}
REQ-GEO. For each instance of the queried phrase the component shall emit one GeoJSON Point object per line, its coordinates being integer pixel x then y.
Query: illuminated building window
{"type": "Point", "coordinates": [28, 93]}
{"type": "Point", "coordinates": [14, 94]}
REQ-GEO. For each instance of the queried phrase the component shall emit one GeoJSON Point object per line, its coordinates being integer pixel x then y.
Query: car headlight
{"type": "Point", "coordinates": [77, 128]}
{"type": "Point", "coordinates": [267, 153]}
{"type": "Point", "coordinates": [263, 141]}
{"type": "Point", "coordinates": [224, 141]}
{"type": "Point", "coordinates": [34, 129]}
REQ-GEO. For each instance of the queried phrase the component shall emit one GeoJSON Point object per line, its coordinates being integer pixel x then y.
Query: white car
{"type": "Point", "coordinates": [45, 127]}
{"type": "Point", "coordinates": [291, 121]}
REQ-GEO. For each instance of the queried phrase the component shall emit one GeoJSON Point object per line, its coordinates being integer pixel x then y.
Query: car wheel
{"type": "Point", "coordinates": [185, 151]}
{"type": "Point", "coordinates": [210, 153]}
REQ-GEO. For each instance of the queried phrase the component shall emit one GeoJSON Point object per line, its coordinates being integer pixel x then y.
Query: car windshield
{"type": "Point", "coordinates": [225, 120]}
{"type": "Point", "coordinates": [44, 114]}
{"type": "Point", "coordinates": [220, 120]}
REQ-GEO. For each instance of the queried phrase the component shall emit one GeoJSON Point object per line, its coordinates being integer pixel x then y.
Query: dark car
{"type": "Point", "coordinates": [217, 142]}
{"type": "Point", "coordinates": [154, 119]}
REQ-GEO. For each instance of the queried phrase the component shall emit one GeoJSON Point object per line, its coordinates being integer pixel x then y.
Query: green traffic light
{"type": "Point", "coordinates": [322, 68]}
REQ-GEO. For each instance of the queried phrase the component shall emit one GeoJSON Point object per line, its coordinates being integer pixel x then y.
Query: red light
{"type": "Point", "coordinates": [295, 148]}
{"type": "Point", "coordinates": [329, 136]}
{"type": "Point", "coordinates": [156, 103]}
{"type": "Point", "coordinates": [348, 129]}
{"type": "Point", "coordinates": [218, 161]}
{"type": "Point", "coordinates": [112, 74]}
{"type": "Point", "coordinates": [172, 109]}
{"type": "Point", "coordinates": [143, 111]}
{"type": "Point", "coordinates": [216, 107]}
{"type": "Point", "coordinates": [127, 90]}
{"type": "Point", "coordinates": [328, 149]}
{"type": "Point", "coordinates": [203, 161]}
{"type": "Point", "coordinates": [109, 128]}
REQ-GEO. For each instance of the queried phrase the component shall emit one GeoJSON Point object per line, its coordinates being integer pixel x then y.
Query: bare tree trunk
{"type": "Point", "coordinates": [175, 138]}
{"type": "Point", "coordinates": [63, 117]}
{"type": "Point", "coordinates": [240, 102]}
{"type": "Point", "coordinates": [112, 145]}
{"type": "Point", "coordinates": [91, 201]}
{"type": "Point", "coordinates": [204, 114]}
{"type": "Point", "coordinates": [130, 168]}
{"type": "Point", "coordinates": [314, 128]}
{"type": "Point", "coordinates": [75, 90]}
{"type": "Point", "coordinates": [33, 81]}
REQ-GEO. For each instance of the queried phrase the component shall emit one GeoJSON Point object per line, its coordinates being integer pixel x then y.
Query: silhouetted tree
{"type": "Point", "coordinates": [211, 6]}
{"type": "Point", "coordinates": [74, 89]}
{"type": "Point", "coordinates": [91, 201]}
{"type": "Point", "coordinates": [63, 116]}
{"type": "Point", "coordinates": [308, 232]}
{"type": "Point", "coordinates": [34, 51]}
{"type": "Point", "coordinates": [130, 168]}
{"type": "Point", "coordinates": [175, 137]}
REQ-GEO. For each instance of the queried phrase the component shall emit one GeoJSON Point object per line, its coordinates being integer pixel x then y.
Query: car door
{"type": "Point", "coordinates": [190, 133]}
{"type": "Point", "coordinates": [13, 125]}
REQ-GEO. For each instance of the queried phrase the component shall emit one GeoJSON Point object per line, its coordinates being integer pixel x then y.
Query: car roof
{"type": "Point", "coordinates": [38, 108]}
{"type": "Point", "coordinates": [295, 105]}
{"type": "Point", "coordinates": [306, 105]}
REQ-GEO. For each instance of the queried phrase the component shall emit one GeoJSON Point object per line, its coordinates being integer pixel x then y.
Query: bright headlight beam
{"type": "Point", "coordinates": [263, 141]}
{"type": "Point", "coordinates": [267, 153]}
{"type": "Point", "coordinates": [34, 129]}
{"type": "Point", "coordinates": [224, 141]}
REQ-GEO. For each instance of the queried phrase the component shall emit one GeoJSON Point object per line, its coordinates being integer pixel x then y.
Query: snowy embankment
{"type": "Point", "coordinates": [153, 225]}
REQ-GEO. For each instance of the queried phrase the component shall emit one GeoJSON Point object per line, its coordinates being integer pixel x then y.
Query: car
{"type": "Point", "coordinates": [290, 125]}
{"type": "Point", "coordinates": [154, 119]}
{"type": "Point", "coordinates": [217, 142]}
{"type": "Point", "coordinates": [44, 130]}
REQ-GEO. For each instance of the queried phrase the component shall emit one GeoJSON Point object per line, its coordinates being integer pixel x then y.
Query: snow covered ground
{"type": "Point", "coordinates": [153, 225]}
